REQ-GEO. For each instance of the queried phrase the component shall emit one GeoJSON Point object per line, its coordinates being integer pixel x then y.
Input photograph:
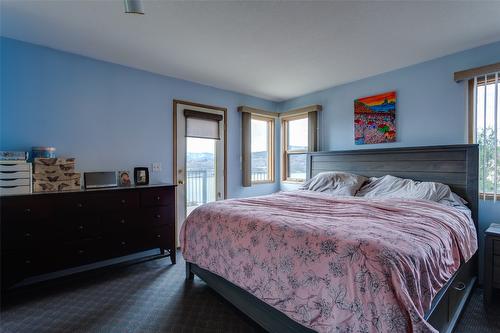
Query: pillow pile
{"type": "Point", "coordinates": [335, 183]}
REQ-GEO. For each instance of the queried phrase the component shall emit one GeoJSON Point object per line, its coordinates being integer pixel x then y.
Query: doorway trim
{"type": "Point", "coordinates": [174, 141]}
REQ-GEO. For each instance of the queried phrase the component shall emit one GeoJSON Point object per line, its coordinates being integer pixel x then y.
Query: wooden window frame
{"type": "Point", "coordinates": [271, 124]}
{"type": "Point", "coordinates": [285, 152]}
{"type": "Point", "coordinates": [471, 122]}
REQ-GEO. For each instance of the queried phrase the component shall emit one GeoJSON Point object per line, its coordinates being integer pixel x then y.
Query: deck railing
{"type": "Point", "coordinates": [200, 185]}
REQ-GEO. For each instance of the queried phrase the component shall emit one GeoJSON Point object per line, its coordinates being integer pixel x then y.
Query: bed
{"type": "Point", "coordinates": [356, 292]}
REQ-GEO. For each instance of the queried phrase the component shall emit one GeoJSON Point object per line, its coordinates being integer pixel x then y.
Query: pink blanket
{"type": "Point", "coordinates": [334, 264]}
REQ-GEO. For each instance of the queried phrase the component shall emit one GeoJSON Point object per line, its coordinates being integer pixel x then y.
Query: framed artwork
{"type": "Point", "coordinates": [124, 178]}
{"type": "Point", "coordinates": [141, 176]}
{"type": "Point", "coordinates": [375, 119]}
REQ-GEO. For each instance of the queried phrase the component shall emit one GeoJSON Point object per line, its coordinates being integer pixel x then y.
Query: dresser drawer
{"type": "Point", "coordinates": [83, 252]}
{"type": "Point", "coordinates": [121, 244]}
{"type": "Point", "coordinates": [156, 216]}
{"type": "Point", "coordinates": [77, 203]}
{"type": "Point", "coordinates": [15, 182]}
{"type": "Point", "coordinates": [81, 227]}
{"type": "Point", "coordinates": [20, 264]}
{"type": "Point", "coordinates": [11, 167]}
{"type": "Point", "coordinates": [118, 200]}
{"type": "Point", "coordinates": [496, 246]}
{"type": "Point", "coordinates": [496, 276]}
{"type": "Point", "coordinates": [159, 237]}
{"type": "Point", "coordinates": [120, 222]}
{"type": "Point", "coordinates": [28, 234]}
{"type": "Point", "coordinates": [25, 208]}
{"type": "Point", "coordinates": [156, 197]}
{"type": "Point", "coordinates": [15, 174]}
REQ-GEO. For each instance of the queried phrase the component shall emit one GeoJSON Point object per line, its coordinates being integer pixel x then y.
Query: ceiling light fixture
{"type": "Point", "coordinates": [134, 7]}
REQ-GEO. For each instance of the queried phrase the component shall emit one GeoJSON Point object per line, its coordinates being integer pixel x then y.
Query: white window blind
{"type": "Point", "coordinates": [486, 100]}
{"type": "Point", "coordinates": [202, 124]}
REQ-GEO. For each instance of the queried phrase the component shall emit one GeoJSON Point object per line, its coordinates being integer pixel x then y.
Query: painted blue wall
{"type": "Point", "coordinates": [431, 109]}
{"type": "Point", "coordinates": [108, 116]}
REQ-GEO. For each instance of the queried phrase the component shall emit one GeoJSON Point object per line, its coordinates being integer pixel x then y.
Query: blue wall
{"type": "Point", "coordinates": [108, 116]}
{"type": "Point", "coordinates": [431, 109]}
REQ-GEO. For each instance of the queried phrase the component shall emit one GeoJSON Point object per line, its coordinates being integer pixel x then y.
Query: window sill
{"type": "Point", "coordinates": [488, 196]}
{"type": "Point", "coordinates": [263, 182]}
{"type": "Point", "coordinates": [287, 181]}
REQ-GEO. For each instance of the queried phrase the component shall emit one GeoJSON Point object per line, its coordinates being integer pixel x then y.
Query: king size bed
{"type": "Point", "coordinates": [304, 261]}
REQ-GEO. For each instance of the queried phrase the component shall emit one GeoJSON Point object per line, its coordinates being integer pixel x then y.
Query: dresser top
{"type": "Point", "coordinates": [116, 188]}
{"type": "Point", "coordinates": [493, 230]}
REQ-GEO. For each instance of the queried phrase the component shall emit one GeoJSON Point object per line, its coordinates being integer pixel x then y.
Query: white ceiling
{"type": "Point", "coordinates": [275, 50]}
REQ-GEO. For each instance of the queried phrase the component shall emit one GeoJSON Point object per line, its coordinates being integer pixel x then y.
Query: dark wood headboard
{"type": "Point", "coordinates": [454, 165]}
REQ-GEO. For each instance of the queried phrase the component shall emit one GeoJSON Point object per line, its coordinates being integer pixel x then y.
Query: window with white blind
{"type": "Point", "coordinates": [484, 129]}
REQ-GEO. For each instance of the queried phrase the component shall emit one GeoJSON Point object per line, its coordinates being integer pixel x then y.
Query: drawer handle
{"type": "Point", "coordinates": [459, 286]}
{"type": "Point", "coordinates": [158, 216]}
{"type": "Point", "coordinates": [81, 251]}
{"type": "Point", "coordinates": [79, 205]}
{"type": "Point", "coordinates": [124, 243]}
{"type": "Point", "coordinates": [122, 221]}
{"type": "Point", "coordinates": [123, 201]}
{"type": "Point", "coordinates": [27, 210]}
{"type": "Point", "coordinates": [158, 236]}
{"type": "Point", "coordinates": [27, 262]}
{"type": "Point", "coordinates": [27, 235]}
{"type": "Point", "coordinates": [158, 198]}
{"type": "Point", "coordinates": [80, 227]}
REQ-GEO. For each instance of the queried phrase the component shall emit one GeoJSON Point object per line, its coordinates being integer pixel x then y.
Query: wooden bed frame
{"type": "Point", "coordinates": [454, 165]}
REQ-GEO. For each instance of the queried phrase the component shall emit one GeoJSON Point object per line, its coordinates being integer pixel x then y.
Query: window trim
{"type": "Point", "coordinates": [285, 119]}
{"type": "Point", "coordinates": [471, 122]}
{"type": "Point", "coordinates": [247, 113]}
{"type": "Point", "coordinates": [270, 148]}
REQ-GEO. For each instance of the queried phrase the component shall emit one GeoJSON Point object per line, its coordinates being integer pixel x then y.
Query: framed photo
{"type": "Point", "coordinates": [124, 178]}
{"type": "Point", "coordinates": [141, 176]}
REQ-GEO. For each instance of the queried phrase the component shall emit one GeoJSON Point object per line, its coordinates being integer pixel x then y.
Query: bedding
{"type": "Point", "coordinates": [334, 264]}
{"type": "Point", "coordinates": [335, 183]}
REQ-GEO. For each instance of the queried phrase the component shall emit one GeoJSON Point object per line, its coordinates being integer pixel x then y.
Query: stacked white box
{"type": "Point", "coordinates": [15, 177]}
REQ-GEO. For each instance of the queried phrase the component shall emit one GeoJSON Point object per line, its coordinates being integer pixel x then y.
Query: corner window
{"type": "Point", "coordinates": [484, 129]}
{"type": "Point", "coordinates": [299, 138]}
{"type": "Point", "coordinates": [262, 149]}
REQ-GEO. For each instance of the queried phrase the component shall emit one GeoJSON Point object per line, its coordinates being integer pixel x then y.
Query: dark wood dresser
{"type": "Point", "coordinates": [43, 233]}
{"type": "Point", "coordinates": [491, 262]}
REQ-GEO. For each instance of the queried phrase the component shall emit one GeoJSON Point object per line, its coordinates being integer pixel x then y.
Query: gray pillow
{"type": "Point", "coordinates": [394, 187]}
{"type": "Point", "coordinates": [335, 183]}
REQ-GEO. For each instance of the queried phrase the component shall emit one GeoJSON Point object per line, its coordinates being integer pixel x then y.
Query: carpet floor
{"type": "Point", "coordinates": [153, 297]}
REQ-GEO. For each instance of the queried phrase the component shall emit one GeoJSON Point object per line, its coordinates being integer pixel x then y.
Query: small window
{"type": "Point", "coordinates": [297, 133]}
{"type": "Point", "coordinates": [484, 129]}
{"type": "Point", "coordinates": [257, 146]}
{"type": "Point", "coordinates": [262, 142]}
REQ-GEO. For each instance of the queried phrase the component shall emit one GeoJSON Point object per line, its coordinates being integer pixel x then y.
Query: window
{"type": "Point", "coordinates": [257, 148]}
{"type": "Point", "coordinates": [299, 136]}
{"type": "Point", "coordinates": [262, 152]}
{"type": "Point", "coordinates": [484, 129]}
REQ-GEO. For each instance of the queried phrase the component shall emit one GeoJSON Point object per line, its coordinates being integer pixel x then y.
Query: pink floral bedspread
{"type": "Point", "coordinates": [334, 264]}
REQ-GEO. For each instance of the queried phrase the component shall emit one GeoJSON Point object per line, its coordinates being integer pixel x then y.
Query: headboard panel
{"type": "Point", "coordinates": [454, 165]}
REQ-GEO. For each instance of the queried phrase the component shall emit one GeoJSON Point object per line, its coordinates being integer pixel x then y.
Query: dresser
{"type": "Point", "coordinates": [43, 233]}
{"type": "Point", "coordinates": [491, 262]}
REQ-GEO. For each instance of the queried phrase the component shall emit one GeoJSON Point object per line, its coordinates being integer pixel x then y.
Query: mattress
{"type": "Point", "coordinates": [334, 264]}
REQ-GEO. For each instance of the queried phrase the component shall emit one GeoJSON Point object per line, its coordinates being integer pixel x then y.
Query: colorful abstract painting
{"type": "Point", "coordinates": [375, 119]}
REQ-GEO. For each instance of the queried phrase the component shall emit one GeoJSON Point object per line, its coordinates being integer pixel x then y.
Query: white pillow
{"type": "Point", "coordinates": [394, 187]}
{"type": "Point", "coordinates": [335, 183]}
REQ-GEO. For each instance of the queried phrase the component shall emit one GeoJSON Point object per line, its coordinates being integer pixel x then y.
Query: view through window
{"type": "Point", "coordinates": [487, 135]}
{"type": "Point", "coordinates": [261, 149]}
{"type": "Point", "coordinates": [296, 148]}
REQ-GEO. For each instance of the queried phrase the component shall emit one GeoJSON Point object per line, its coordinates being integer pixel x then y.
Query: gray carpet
{"type": "Point", "coordinates": [152, 297]}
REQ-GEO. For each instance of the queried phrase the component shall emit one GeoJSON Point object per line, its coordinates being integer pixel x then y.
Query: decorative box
{"type": "Point", "coordinates": [54, 165]}
{"type": "Point", "coordinates": [56, 185]}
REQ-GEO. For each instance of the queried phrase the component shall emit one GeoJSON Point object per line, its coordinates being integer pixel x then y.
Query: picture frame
{"type": "Point", "coordinates": [141, 176]}
{"type": "Point", "coordinates": [124, 178]}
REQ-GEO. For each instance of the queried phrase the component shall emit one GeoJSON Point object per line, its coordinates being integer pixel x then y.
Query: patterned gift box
{"type": "Point", "coordinates": [54, 165]}
{"type": "Point", "coordinates": [56, 185]}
